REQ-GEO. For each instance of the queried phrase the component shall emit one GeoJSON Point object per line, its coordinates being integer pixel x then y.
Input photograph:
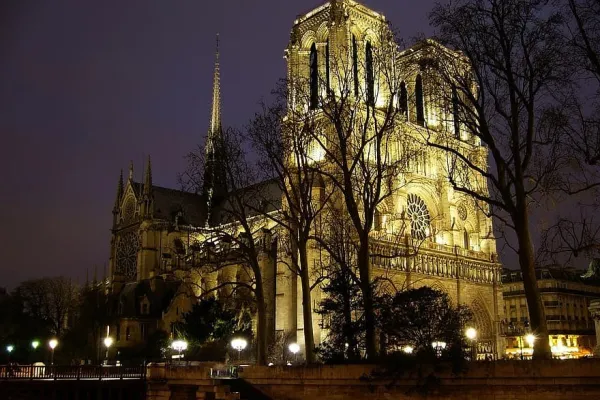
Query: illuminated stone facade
{"type": "Point", "coordinates": [457, 250]}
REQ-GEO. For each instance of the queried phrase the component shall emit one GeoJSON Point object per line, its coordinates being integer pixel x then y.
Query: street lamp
{"type": "Point", "coordinates": [471, 334]}
{"type": "Point", "coordinates": [35, 344]}
{"type": "Point", "coordinates": [108, 341]}
{"type": "Point", "coordinates": [52, 343]}
{"type": "Point", "coordinates": [530, 339]}
{"type": "Point", "coordinates": [408, 349]}
{"type": "Point", "coordinates": [239, 344]}
{"type": "Point", "coordinates": [9, 349]}
{"type": "Point", "coordinates": [294, 349]}
{"type": "Point", "coordinates": [179, 346]}
{"type": "Point", "coordinates": [438, 346]}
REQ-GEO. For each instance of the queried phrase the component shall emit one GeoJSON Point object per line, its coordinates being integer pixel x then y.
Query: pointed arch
{"type": "Point", "coordinates": [482, 319]}
{"type": "Point", "coordinates": [455, 116]}
{"type": "Point", "coordinates": [355, 64]}
{"type": "Point", "coordinates": [420, 101]}
{"type": "Point", "coordinates": [369, 74]}
{"type": "Point", "coordinates": [403, 100]}
{"type": "Point", "coordinates": [314, 77]}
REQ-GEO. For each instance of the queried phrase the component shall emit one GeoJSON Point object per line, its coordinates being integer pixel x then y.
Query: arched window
{"type": "Point", "coordinates": [327, 66]}
{"type": "Point", "coordinates": [420, 101]}
{"type": "Point", "coordinates": [403, 100]}
{"type": "Point", "coordinates": [370, 76]}
{"type": "Point", "coordinates": [314, 78]}
{"type": "Point", "coordinates": [355, 64]}
{"type": "Point", "coordinates": [466, 240]}
{"type": "Point", "coordinates": [455, 116]}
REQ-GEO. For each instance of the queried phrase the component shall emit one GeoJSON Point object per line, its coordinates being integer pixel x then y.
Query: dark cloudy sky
{"type": "Point", "coordinates": [86, 86]}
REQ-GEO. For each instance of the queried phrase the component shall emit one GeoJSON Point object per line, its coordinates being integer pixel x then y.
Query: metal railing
{"type": "Point", "coordinates": [62, 372]}
{"type": "Point", "coordinates": [224, 373]}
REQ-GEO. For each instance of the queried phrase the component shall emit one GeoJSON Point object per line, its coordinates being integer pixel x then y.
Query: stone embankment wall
{"type": "Point", "coordinates": [516, 380]}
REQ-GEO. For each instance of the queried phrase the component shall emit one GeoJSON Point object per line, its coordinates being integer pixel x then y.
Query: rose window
{"type": "Point", "coordinates": [462, 211]}
{"type": "Point", "coordinates": [127, 249]}
{"type": "Point", "coordinates": [418, 215]}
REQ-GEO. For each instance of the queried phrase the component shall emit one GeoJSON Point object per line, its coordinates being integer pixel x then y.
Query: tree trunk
{"type": "Point", "coordinates": [309, 338]}
{"type": "Point", "coordinates": [537, 315]}
{"type": "Point", "coordinates": [364, 269]}
{"type": "Point", "coordinates": [261, 324]}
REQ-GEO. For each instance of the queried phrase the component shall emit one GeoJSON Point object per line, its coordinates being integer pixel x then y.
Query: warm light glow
{"type": "Point", "coordinates": [471, 333]}
{"type": "Point", "coordinates": [53, 343]}
{"type": "Point", "coordinates": [438, 345]}
{"type": "Point", "coordinates": [239, 344]}
{"type": "Point", "coordinates": [35, 344]}
{"type": "Point", "coordinates": [108, 341]}
{"type": "Point", "coordinates": [294, 348]}
{"type": "Point", "coordinates": [530, 339]}
{"type": "Point", "coordinates": [179, 345]}
{"type": "Point", "coordinates": [10, 348]}
{"type": "Point", "coordinates": [408, 349]}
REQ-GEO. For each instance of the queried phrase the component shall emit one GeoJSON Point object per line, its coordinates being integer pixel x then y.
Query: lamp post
{"type": "Point", "coordinates": [179, 346]}
{"type": "Point", "coordinates": [530, 338]}
{"type": "Point", "coordinates": [108, 341]}
{"type": "Point", "coordinates": [52, 343]}
{"type": "Point", "coordinates": [471, 334]}
{"type": "Point", "coordinates": [239, 344]}
{"type": "Point", "coordinates": [9, 349]}
{"type": "Point", "coordinates": [294, 349]}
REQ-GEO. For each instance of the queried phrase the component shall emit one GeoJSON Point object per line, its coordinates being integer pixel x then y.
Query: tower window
{"type": "Point", "coordinates": [314, 78]}
{"type": "Point", "coordinates": [355, 64]}
{"type": "Point", "coordinates": [403, 100]}
{"type": "Point", "coordinates": [370, 76]}
{"type": "Point", "coordinates": [455, 112]}
{"type": "Point", "coordinates": [466, 239]}
{"type": "Point", "coordinates": [127, 333]}
{"type": "Point", "coordinates": [327, 66]}
{"type": "Point", "coordinates": [420, 101]}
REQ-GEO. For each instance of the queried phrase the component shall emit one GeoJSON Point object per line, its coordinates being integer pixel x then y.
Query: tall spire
{"type": "Point", "coordinates": [214, 131]}
{"type": "Point", "coordinates": [215, 186]}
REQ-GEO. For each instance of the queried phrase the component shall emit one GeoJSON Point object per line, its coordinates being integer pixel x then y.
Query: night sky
{"type": "Point", "coordinates": [87, 86]}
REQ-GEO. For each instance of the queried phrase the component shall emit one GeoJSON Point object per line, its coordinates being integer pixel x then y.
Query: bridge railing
{"type": "Point", "coordinates": [67, 372]}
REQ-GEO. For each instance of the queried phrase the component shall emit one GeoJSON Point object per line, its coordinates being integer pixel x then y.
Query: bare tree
{"type": "Point", "coordinates": [284, 147]}
{"type": "Point", "coordinates": [236, 239]}
{"type": "Point", "coordinates": [355, 138]}
{"type": "Point", "coordinates": [503, 91]}
{"type": "Point", "coordinates": [53, 300]}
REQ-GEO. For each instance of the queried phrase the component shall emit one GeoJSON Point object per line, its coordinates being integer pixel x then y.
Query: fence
{"type": "Point", "coordinates": [61, 372]}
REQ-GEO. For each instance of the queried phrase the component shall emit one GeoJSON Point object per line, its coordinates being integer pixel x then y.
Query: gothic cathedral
{"type": "Point", "coordinates": [156, 230]}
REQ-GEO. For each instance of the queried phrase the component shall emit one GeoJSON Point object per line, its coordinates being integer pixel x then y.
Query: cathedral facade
{"type": "Point", "coordinates": [155, 276]}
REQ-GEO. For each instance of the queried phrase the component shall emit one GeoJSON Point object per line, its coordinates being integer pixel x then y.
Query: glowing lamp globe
{"type": "Point", "coordinates": [53, 343]}
{"type": "Point", "coordinates": [294, 348]}
{"type": "Point", "coordinates": [471, 333]}
{"type": "Point", "coordinates": [108, 341]}
{"type": "Point", "coordinates": [179, 345]}
{"type": "Point", "coordinates": [239, 344]}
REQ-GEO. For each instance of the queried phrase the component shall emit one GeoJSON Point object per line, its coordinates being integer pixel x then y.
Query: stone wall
{"type": "Point", "coordinates": [551, 380]}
